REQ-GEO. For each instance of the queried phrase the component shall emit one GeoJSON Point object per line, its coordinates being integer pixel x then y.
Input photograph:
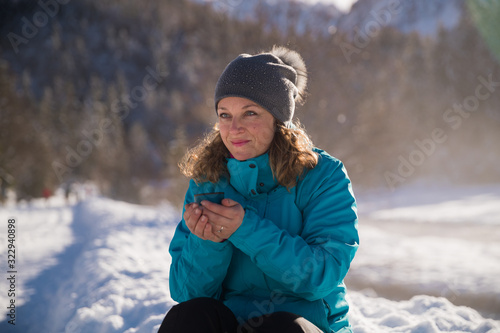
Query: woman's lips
{"type": "Point", "coordinates": [239, 143]}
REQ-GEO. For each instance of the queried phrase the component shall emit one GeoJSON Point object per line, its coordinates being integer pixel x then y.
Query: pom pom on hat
{"type": "Point", "coordinates": [294, 59]}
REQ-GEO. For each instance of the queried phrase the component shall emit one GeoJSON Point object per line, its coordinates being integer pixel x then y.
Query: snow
{"type": "Point", "coordinates": [421, 314]}
{"type": "Point", "coordinates": [431, 240]}
{"type": "Point", "coordinates": [100, 265]}
{"type": "Point", "coordinates": [343, 5]}
{"type": "Point", "coordinates": [422, 203]}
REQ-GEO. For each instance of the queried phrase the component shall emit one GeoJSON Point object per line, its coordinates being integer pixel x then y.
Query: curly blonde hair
{"type": "Point", "coordinates": [290, 154]}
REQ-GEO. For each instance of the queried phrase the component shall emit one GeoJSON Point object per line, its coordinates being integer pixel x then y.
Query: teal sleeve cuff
{"type": "Point", "coordinates": [246, 232]}
{"type": "Point", "coordinates": [207, 245]}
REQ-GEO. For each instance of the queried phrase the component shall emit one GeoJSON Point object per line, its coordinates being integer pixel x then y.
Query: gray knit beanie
{"type": "Point", "coordinates": [275, 80]}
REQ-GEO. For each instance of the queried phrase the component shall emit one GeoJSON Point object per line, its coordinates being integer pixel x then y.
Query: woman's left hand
{"type": "Point", "coordinates": [225, 218]}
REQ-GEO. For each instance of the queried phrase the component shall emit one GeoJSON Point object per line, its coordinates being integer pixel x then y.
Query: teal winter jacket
{"type": "Point", "coordinates": [291, 252]}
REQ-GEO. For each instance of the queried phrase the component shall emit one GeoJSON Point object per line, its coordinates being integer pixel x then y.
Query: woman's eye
{"type": "Point", "coordinates": [223, 115]}
{"type": "Point", "coordinates": [250, 113]}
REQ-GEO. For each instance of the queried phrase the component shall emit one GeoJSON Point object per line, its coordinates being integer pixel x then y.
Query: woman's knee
{"type": "Point", "coordinates": [199, 315]}
{"type": "Point", "coordinates": [279, 322]}
{"type": "Point", "coordinates": [201, 303]}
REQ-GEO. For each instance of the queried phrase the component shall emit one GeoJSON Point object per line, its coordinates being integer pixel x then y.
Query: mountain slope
{"type": "Point", "coordinates": [282, 14]}
{"type": "Point", "coordinates": [425, 17]}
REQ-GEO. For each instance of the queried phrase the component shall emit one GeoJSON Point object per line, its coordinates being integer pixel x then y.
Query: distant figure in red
{"type": "Point", "coordinates": [46, 193]}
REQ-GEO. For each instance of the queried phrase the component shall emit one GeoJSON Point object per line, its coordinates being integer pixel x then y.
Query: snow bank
{"type": "Point", "coordinates": [421, 314]}
{"type": "Point", "coordinates": [121, 277]}
{"type": "Point", "coordinates": [434, 203]}
{"type": "Point", "coordinates": [43, 230]}
{"type": "Point", "coordinates": [398, 262]}
{"type": "Point", "coordinates": [433, 240]}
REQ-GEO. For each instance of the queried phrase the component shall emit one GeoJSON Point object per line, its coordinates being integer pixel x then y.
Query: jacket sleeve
{"type": "Point", "coordinates": [198, 266]}
{"type": "Point", "coordinates": [312, 264]}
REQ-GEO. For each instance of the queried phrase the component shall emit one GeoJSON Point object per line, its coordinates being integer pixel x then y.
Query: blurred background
{"type": "Point", "coordinates": [114, 92]}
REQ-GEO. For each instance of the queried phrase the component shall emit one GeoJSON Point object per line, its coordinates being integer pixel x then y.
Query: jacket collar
{"type": "Point", "coordinates": [251, 177]}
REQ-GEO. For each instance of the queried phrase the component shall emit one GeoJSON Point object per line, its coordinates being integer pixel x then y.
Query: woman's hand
{"type": "Point", "coordinates": [225, 218]}
{"type": "Point", "coordinates": [197, 223]}
{"type": "Point", "coordinates": [212, 221]}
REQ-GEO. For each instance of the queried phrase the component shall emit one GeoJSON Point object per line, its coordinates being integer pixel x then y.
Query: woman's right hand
{"type": "Point", "coordinates": [198, 223]}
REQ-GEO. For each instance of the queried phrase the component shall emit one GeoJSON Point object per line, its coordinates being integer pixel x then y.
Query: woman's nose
{"type": "Point", "coordinates": [235, 125]}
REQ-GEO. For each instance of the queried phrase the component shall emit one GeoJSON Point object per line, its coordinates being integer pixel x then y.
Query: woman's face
{"type": "Point", "coordinates": [246, 128]}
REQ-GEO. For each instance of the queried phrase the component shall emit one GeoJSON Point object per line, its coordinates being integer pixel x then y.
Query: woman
{"type": "Point", "coordinates": [272, 255]}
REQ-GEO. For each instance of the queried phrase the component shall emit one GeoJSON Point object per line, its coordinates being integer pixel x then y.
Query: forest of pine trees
{"type": "Point", "coordinates": [116, 91]}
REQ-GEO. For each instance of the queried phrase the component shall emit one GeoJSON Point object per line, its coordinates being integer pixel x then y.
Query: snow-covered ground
{"type": "Point", "coordinates": [431, 240]}
{"type": "Point", "coordinates": [428, 261]}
